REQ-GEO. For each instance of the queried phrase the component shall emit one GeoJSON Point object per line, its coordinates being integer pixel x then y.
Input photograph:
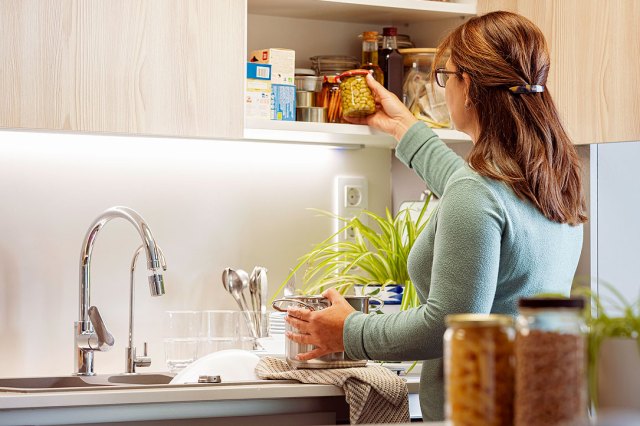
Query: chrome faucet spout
{"type": "Point", "coordinates": [156, 288]}
{"type": "Point", "coordinates": [84, 329]}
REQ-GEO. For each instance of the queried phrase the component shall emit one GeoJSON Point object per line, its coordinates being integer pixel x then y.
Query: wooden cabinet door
{"type": "Point", "coordinates": [595, 63]}
{"type": "Point", "coordinates": [155, 67]}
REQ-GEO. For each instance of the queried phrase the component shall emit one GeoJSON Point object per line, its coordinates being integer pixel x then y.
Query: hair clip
{"type": "Point", "coordinates": [527, 88]}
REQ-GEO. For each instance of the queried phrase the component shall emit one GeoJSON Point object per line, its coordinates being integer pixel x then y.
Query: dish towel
{"type": "Point", "coordinates": [374, 393]}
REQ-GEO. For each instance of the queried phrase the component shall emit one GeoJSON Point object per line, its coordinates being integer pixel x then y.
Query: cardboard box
{"type": "Point", "coordinates": [258, 71]}
{"type": "Point", "coordinates": [282, 61]}
{"type": "Point", "coordinates": [283, 106]}
{"type": "Point", "coordinates": [257, 99]}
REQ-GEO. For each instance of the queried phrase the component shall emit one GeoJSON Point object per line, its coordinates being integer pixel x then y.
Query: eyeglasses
{"type": "Point", "coordinates": [442, 75]}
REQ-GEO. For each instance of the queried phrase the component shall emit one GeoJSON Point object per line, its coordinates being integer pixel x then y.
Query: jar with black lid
{"type": "Point", "coordinates": [551, 362]}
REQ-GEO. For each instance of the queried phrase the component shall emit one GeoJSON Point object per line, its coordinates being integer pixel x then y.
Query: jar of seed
{"type": "Point", "coordinates": [551, 360]}
{"type": "Point", "coordinates": [357, 99]}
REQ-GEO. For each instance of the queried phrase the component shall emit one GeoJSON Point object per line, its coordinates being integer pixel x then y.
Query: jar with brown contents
{"type": "Point", "coordinates": [551, 378]}
{"type": "Point", "coordinates": [357, 99]}
{"type": "Point", "coordinates": [329, 97]}
{"type": "Point", "coordinates": [479, 369]}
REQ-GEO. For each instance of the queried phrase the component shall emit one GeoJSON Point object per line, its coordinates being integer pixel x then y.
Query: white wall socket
{"type": "Point", "coordinates": [351, 196]}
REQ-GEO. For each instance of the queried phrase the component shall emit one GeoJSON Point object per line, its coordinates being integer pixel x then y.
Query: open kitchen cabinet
{"type": "Point", "coordinates": [332, 27]}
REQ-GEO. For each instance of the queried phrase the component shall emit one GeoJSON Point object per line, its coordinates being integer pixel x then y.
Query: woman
{"type": "Point", "coordinates": [509, 224]}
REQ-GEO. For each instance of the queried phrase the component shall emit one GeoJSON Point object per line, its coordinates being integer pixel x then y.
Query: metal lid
{"type": "Point", "coordinates": [370, 36]}
{"type": "Point", "coordinates": [479, 320]}
{"type": "Point", "coordinates": [351, 73]}
{"type": "Point", "coordinates": [552, 302]}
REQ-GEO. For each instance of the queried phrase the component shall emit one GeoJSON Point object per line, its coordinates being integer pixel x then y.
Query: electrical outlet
{"type": "Point", "coordinates": [350, 198]}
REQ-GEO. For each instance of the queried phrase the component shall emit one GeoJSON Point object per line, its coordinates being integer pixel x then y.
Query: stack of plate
{"type": "Point", "coordinates": [276, 323]}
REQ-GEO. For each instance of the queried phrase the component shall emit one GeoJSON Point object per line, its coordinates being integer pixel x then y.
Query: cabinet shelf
{"type": "Point", "coordinates": [364, 11]}
{"type": "Point", "coordinates": [330, 133]}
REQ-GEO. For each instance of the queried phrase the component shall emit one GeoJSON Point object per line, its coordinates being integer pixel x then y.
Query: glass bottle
{"type": "Point", "coordinates": [391, 61]}
{"type": "Point", "coordinates": [370, 55]}
{"type": "Point", "coordinates": [479, 369]}
{"type": "Point", "coordinates": [551, 359]}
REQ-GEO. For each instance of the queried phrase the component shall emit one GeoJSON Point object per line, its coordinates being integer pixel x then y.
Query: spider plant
{"type": "Point", "coordinates": [376, 255]}
{"type": "Point", "coordinates": [614, 317]}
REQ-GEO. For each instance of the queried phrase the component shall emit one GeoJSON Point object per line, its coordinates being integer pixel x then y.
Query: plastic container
{"type": "Point", "coordinates": [551, 359]}
{"type": "Point", "coordinates": [423, 98]}
{"type": "Point", "coordinates": [479, 369]}
{"type": "Point", "coordinates": [329, 97]}
{"type": "Point", "coordinates": [357, 99]}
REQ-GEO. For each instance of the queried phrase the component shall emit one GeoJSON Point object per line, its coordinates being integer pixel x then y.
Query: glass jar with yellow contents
{"type": "Point", "coordinates": [479, 369]}
{"type": "Point", "coordinates": [357, 99]}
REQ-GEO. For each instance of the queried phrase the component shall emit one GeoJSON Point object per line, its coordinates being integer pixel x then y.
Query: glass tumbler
{"type": "Point", "coordinates": [181, 333]}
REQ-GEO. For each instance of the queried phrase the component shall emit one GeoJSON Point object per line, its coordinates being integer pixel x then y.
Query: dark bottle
{"type": "Point", "coordinates": [391, 61]}
{"type": "Point", "coordinates": [370, 55]}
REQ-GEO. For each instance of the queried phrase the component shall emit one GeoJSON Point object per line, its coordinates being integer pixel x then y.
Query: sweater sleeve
{"type": "Point", "coordinates": [463, 280]}
{"type": "Point", "coordinates": [422, 150]}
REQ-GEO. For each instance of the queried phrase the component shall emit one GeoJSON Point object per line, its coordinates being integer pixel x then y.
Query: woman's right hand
{"type": "Point", "coordinates": [391, 115]}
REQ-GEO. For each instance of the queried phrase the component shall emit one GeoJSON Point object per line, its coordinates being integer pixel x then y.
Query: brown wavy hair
{"type": "Point", "coordinates": [521, 141]}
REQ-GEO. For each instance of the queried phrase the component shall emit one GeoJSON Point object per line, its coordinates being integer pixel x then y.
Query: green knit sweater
{"type": "Point", "coordinates": [483, 249]}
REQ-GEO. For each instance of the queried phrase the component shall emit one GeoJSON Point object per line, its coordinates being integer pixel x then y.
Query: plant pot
{"type": "Point", "coordinates": [619, 374]}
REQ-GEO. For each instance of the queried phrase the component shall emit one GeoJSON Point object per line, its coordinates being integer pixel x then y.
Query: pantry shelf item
{"type": "Point", "coordinates": [333, 64]}
{"type": "Point", "coordinates": [479, 369]}
{"type": "Point", "coordinates": [391, 61]}
{"type": "Point", "coordinates": [551, 373]}
{"type": "Point", "coordinates": [311, 114]}
{"type": "Point", "coordinates": [424, 98]}
{"type": "Point", "coordinates": [357, 99]}
{"type": "Point", "coordinates": [329, 97]}
{"type": "Point", "coordinates": [370, 55]}
{"type": "Point", "coordinates": [310, 83]}
{"type": "Point", "coordinates": [305, 99]}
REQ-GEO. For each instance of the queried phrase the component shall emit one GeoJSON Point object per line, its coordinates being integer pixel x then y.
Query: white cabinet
{"type": "Point", "coordinates": [322, 27]}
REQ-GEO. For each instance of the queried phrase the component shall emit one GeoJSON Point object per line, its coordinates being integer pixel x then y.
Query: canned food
{"type": "Point", "coordinates": [357, 99]}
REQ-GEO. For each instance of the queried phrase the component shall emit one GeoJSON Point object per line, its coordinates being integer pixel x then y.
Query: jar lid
{"type": "Point", "coordinates": [351, 73]}
{"type": "Point", "coordinates": [552, 302]}
{"type": "Point", "coordinates": [389, 31]}
{"type": "Point", "coordinates": [370, 36]}
{"type": "Point", "coordinates": [331, 79]}
{"type": "Point", "coordinates": [479, 320]}
{"type": "Point", "coordinates": [304, 71]}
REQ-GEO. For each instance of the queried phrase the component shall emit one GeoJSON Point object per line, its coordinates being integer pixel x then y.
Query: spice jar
{"type": "Point", "coordinates": [551, 380]}
{"type": "Point", "coordinates": [479, 369]}
{"type": "Point", "coordinates": [357, 99]}
{"type": "Point", "coordinates": [329, 98]}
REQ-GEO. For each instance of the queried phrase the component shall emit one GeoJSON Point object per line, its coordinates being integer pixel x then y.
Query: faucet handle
{"type": "Point", "coordinates": [143, 361]}
{"type": "Point", "coordinates": [105, 339]}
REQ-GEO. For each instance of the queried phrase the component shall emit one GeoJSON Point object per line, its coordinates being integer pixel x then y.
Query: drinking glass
{"type": "Point", "coordinates": [181, 332]}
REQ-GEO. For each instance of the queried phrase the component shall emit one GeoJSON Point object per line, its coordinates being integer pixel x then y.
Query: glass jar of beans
{"type": "Point", "coordinates": [479, 369]}
{"type": "Point", "coordinates": [551, 362]}
{"type": "Point", "coordinates": [357, 99]}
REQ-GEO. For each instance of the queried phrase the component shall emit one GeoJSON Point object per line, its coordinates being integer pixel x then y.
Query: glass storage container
{"type": "Point", "coordinates": [357, 99]}
{"type": "Point", "coordinates": [551, 376]}
{"type": "Point", "coordinates": [479, 369]}
{"type": "Point", "coordinates": [329, 98]}
{"type": "Point", "coordinates": [424, 99]}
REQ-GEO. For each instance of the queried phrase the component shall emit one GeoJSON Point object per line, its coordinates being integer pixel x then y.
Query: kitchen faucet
{"type": "Point", "coordinates": [90, 332]}
{"type": "Point", "coordinates": [131, 360]}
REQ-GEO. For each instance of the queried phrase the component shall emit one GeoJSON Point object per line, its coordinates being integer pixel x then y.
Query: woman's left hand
{"type": "Point", "coordinates": [323, 328]}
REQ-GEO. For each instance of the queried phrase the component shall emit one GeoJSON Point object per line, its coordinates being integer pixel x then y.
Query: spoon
{"type": "Point", "coordinates": [254, 289]}
{"type": "Point", "coordinates": [237, 282]}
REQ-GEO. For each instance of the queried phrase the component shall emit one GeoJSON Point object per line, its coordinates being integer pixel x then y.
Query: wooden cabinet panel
{"type": "Point", "coordinates": [595, 70]}
{"type": "Point", "coordinates": [159, 67]}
